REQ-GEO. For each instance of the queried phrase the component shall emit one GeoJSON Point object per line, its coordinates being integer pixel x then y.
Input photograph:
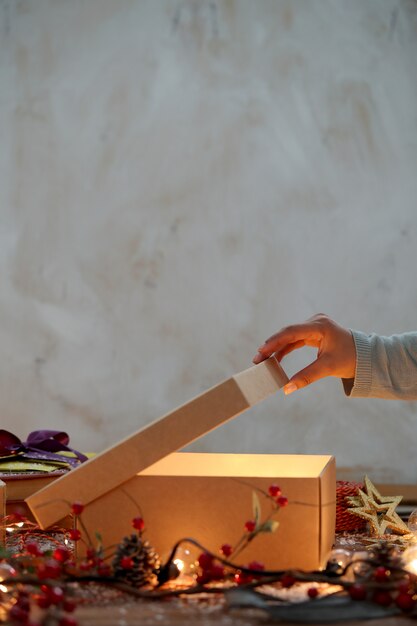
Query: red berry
{"type": "Point", "coordinates": [43, 601]}
{"type": "Point", "coordinates": [104, 570]}
{"type": "Point", "coordinates": [67, 620]}
{"type": "Point", "coordinates": [16, 614]}
{"type": "Point", "coordinates": [381, 574]}
{"type": "Point", "coordinates": [282, 501]}
{"type": "Point", "coordinates": [77, 508]}
{"type": "Point", "coordinates": [250, 525]}
{"type": "Point", "coordinates": [69, 606]}
{"type": "Point", "coordinates": [357, 592]}
{"type": "Point", "coordinates": [274, 491]}
{"type": "Point", "coordinates": [74, 534]}
{"type": "Point", "coordinates": [126, 562]}
{"type": "Point", "coordinates": [216, 572]}
{"type": "Point", "coordinates": [61, 554]}
{"type": "Point", "coordinates": [242, 578]}
{"type": "Point", "coordinates": [382, 597]}
{"type": "Point", "coordinates": [56, 595]}
{"type": "Point", "coordinates": [312, 592]}
{"type": "Point", "coordinates": [226, 549]}
{"type": "Point", "coordinates": [86, 566]}
{"type": "Point", "coordinates": [287, 581]}
{"type": "Point", "coordinates": [49, 569]}
{"type": "Point", "coordinates": [203, 578]}
{"type": "Point", "coordinates": [32, 548]}
{"type": "Point", "coordinates": [405, 602]}
{"type": "Point", "coordinates": [23, 602]}
{"type": "Point", "coordinates": [90, 553]}
{"type": "Point", "coordinates": [18, 516]}
{"type": "Point", "coordinates": [205, 561]}
{"type": "Point", "coordinates": [256, 565]}
{"type": "Point", "coordinates": [404, 586]}
{"type": "Point", "coordinates": [138, 523]}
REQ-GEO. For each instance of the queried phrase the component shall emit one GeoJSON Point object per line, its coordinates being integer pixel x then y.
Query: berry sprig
{"type": "Point", "coordinates": [383, 581]}
{"type": "Point", "coordinates": [210, 568]}
{"type": "Point", "coordinates": [46, 588]}
{"type": "Point", "coordinates": [48, 572]}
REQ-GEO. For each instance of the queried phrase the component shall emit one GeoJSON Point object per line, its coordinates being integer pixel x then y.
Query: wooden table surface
{"type": "Point", "coordinates": [175, 613]}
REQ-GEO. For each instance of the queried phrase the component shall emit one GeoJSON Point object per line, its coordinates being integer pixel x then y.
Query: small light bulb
{"type": "Point", "coordinates": [412, 521]}
{"type": "Point", "coordinates": [7, 571]}
{"type": "Point", "coordinates": [185, 563]}
{"type": "Point", "coordinates": [409, 557]}
{"type": "Point", "coordinates": [180, 564]}
{"type": "Point", "coordinates": [361, 565]}
{"type": "Point", "coordinates": [337, 560]}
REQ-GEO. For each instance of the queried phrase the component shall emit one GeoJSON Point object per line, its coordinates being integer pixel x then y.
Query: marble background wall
{"type": "Point", "coordinates": [181, 178]}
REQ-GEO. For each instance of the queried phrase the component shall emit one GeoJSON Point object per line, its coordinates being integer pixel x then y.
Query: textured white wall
{"type": "Point", "coordinates": [181, 178]}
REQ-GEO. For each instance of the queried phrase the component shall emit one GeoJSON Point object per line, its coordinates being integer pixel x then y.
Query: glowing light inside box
{"type": "Point", "coordinates": [237, 465]}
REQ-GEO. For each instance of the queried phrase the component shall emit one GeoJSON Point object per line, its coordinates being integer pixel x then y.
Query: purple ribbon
{"type": "Point", "coordinates": [40, 445]}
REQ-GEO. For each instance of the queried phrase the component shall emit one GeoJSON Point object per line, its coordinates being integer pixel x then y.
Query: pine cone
{"type": "Point", "coordinates": [146, 562]}
{"type": "Point", "coordinates": [387, 554]}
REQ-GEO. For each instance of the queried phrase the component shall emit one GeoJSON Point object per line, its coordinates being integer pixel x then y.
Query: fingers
{"type": "Point", "coordinates": [289, 339]}
{"type": "Point", "coordinates": [310, 374]}
{"type": "Point", "coordinates": [289, 348]}
{"type": "Point", "coordinates": [336, 353]}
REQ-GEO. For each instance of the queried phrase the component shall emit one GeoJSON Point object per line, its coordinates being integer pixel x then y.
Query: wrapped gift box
{"type": "Point", "coordinates": [205, 496]}
{"type": "Point", "coordinates": [2, 510]}
{"type": "Point", "coordinates": [19, 486]}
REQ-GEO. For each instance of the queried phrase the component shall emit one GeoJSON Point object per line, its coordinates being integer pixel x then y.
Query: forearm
{"type": "Point", "coordinates": [386, 367]}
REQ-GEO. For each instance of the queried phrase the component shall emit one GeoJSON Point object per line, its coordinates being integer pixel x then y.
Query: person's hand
{"type": "Point", "coordinates": [336, 352]}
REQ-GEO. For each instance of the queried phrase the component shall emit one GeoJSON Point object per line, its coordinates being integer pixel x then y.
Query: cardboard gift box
{"type": "Point", "coordinates": [205, 496]}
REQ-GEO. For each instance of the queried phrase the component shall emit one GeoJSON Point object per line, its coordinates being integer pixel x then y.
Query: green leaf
{"type": "Point", "coordinates": [99, 538]}
{"type": "Point", "coordinates": [269, 526]}
{"type": "Point", "coordinates": [256, 505]}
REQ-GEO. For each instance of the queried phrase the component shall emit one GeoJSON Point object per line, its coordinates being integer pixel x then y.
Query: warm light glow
{"type": "Point", "coordinates": [3, 588]}
{"type": "Point", "coordinates": [410, 559]}
{"type": "Point", "coordinates": [180, 564]}
{"type": "Point", "coordinates": [238, 465]}
{"type": "Point", "coordinates": [412, 566]}
{"type": "Point", "coordinates": [11, 529]}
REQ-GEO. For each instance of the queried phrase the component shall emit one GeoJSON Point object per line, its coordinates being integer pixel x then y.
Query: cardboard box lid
{"type": "Point", "coordinates": [153, 442]}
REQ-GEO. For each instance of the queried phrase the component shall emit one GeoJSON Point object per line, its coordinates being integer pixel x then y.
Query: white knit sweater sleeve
{"type": "Point", "coordinates": [386, 367]}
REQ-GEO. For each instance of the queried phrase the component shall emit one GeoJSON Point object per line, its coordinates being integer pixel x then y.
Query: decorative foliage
{"type": "Point", "coordinates": [375, 585]}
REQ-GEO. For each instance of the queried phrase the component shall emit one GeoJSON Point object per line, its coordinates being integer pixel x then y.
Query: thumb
{"type": "Point", "coordinates": [310, 374]}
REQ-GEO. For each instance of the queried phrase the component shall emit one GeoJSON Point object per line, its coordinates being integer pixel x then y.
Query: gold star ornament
{"type": "Point", "coordinates": [377, 510]}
